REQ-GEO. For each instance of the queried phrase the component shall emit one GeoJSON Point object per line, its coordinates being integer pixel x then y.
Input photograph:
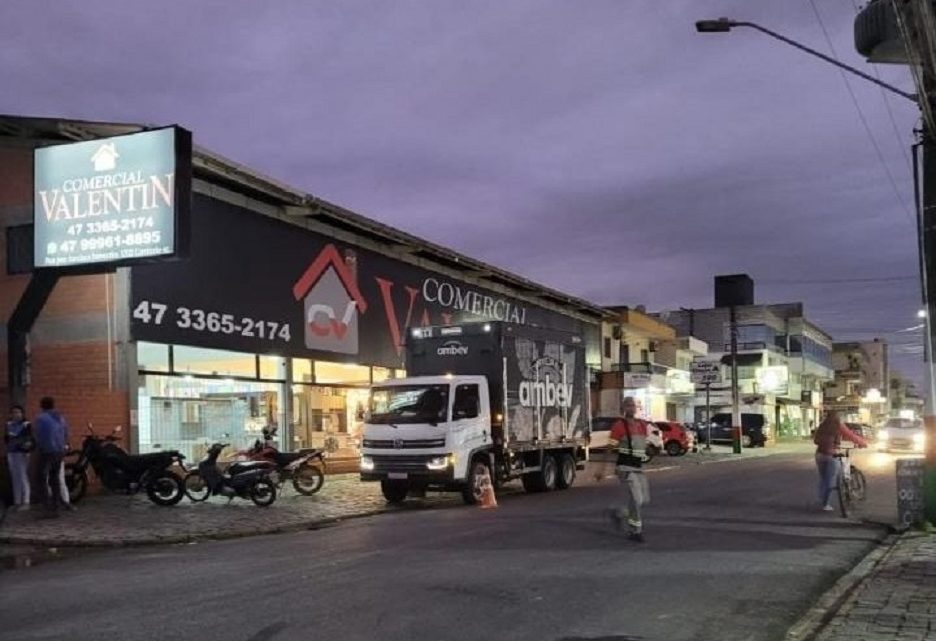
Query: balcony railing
{"type": "Point", "coordinates": [646, 368]}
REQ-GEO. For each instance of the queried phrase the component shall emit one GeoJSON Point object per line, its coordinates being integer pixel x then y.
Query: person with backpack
{"type": "Point", "coordinates": [629, 439]}
{"type": "Point", "coordinates": [19, 442]}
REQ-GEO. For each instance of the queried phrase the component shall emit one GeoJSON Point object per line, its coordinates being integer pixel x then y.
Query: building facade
{"type": "Point", "coordinates": [783, 361]}
{"type": "Point", "coordinates": [643, 358]}
{"type": "Point", "coordinates": [284, 311]}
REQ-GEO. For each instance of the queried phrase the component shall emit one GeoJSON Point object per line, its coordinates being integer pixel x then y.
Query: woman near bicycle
{"type": "Point", "coordinates": [828, 437]}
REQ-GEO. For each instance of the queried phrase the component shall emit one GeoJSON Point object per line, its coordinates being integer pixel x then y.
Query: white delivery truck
{"type": "Point", "coordinates": [507, 400]}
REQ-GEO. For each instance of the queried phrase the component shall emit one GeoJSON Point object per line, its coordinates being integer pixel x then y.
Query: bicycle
{"type": "Point", "coordinates": [851, 483]}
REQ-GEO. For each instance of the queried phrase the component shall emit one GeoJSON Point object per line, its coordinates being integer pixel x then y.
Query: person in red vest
{"type": "Point", "coordinates": [629, 439]}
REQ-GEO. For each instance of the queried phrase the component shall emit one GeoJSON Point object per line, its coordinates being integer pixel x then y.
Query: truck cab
{"type": "Point", "coordinates": [422, 433]}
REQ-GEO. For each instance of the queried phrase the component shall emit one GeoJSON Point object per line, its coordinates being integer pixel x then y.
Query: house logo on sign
{"type": "Point", "coordinates": [105, 158]}
{"type": "Point", "coordinates": [332, 302]}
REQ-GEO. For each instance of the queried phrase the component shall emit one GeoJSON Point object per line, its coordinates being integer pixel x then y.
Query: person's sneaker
{"type": "Point", "coordinates": [637, 537]}
{"type": "Point", "coordinates": [69, 507]}
{"type": "Point", "coordinates": [22, 508]}
{"type": "Point", "coordinates": [828, 508]}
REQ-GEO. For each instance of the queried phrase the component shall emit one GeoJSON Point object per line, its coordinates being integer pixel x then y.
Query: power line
{"type": "Point", "coordinates": [861, 116]}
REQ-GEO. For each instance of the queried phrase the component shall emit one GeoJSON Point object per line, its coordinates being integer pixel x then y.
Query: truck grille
{"type": "Point", "coordinates": [404, 444]}
{"type": "Point", "coordinates": [401, 463]}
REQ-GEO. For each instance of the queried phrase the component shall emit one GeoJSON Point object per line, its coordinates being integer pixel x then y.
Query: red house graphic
{"type": "Point", "coordinates": [332, 302]}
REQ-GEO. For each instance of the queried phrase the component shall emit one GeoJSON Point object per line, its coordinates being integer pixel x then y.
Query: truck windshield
{"type": "Point", "coordinates": [409, 404]}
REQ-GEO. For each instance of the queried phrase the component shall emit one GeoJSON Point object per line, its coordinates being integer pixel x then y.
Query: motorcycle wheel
{"type": "Point", "coordinates": [166, 489]}
{"type": "Point", "coordinates": [308, 480]}
{"type": "Point", "coordinates": [196, 488]}
{"type": "Point", "coordinates": [263, 493]}
{"type": "Point", "coordinates": [77, 483]}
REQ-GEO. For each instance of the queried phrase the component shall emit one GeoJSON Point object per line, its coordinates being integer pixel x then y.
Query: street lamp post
{"type": "Point", "coordinates": [925, 182]}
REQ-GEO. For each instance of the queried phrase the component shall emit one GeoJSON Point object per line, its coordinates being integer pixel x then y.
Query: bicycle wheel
{"type": "Point", "coordinates": [844, 495]}
{"type": "Point", "coordinates": [858, 484]}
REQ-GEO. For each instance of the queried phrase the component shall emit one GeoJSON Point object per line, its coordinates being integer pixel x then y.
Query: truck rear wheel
{"type": "Point", "coordinates": [566, 476]}
{"type": "Point", "coordinates": [471, 493]}
{"type": "Point", "coordinates": [543, 480]}
{"type": "Point", "coordinates": [394, 491]}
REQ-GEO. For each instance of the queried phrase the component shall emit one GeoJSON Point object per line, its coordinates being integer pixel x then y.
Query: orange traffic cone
{"type": "Point", "coordinates": [488, 500]}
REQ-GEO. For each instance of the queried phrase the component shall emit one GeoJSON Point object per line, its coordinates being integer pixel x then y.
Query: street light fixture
{"type": "Point", "coordinates": [724, 25]}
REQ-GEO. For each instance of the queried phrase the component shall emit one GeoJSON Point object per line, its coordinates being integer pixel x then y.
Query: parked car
{"type": "Point", "coordinates": [601, 428]}
{"type": "Point", "coordinates": [677, 438]}
{"type": "Point", "coordinates": [755, 429]}
{"type": "Point", "coordinates": [901, 434]}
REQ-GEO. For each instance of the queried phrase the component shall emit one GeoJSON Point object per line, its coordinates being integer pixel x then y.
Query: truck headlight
{"type": "Point", "coordinates": [367, 464]}
{"type": "Point", "coordinates": [919, 441]}
{"type": "Point", "coordinates": [440, 462]}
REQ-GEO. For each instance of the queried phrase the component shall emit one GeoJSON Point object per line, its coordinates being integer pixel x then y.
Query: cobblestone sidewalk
{"type": "Point", "coordinates": [118, 520]}
{"type": "Point", "coordinates": [896, 601]}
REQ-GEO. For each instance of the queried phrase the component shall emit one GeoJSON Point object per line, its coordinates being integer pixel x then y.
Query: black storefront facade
{"type": "Point", "coordinates": [279, 318]}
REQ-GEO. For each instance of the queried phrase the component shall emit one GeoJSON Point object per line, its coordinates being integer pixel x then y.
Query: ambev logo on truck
{"type": "Point", "coordinates": [452, 348]}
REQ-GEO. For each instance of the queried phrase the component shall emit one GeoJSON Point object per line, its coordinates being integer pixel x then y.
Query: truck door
{"type": "Point", "coordinates": [469, 415]}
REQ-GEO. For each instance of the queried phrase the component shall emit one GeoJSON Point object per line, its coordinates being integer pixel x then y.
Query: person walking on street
{"type": "Point", "coordinates": [19, 442]}
{"type": "Point", "coordinates": [52, 440]}
{"type": "Point", "coordinates": [628, 439]}
{"type": "Point", "coordinates": [828, 437]}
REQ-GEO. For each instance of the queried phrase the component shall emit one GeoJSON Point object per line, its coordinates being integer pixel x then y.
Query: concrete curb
{"type": "Point", "coordinates": [811, 624]}
{"type": "Point", "coordinates": [316, 524]}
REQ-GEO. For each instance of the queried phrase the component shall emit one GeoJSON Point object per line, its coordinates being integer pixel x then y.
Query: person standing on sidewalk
{"type": "Point", "coordinates": [828, 438]}
{"type": "Point", "coordinates": [52, 439]}
{"type": "Point", "coordinates": [19, 442]}
{"type": "Point", "coordinates": [628, 439]}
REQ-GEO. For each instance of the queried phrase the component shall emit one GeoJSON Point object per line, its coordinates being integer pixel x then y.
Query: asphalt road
{"type": "Point", "coordinates": [734, 551]}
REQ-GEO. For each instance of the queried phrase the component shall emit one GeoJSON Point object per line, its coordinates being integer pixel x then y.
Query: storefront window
{"type": "Point", "coordinates": [273, 367]}
{"type": "Point", "coordinates": [216, 362]}
{"type": "Point", "coordinates": [153, 357]}
{"type": "Point", "coordinates": [341, 373]}
{"type": "Point", "coordinates": [330, 418]}
{"type": "Point", "coordinates": [302, 370]}
{"type": "Point", "coordinates": [381, 374]}
{"type": "Point", "coordinates": [189, 414]}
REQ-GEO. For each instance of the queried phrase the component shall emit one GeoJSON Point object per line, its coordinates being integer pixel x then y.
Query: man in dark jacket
{"type": "Point", "coordinates": [51, 433]}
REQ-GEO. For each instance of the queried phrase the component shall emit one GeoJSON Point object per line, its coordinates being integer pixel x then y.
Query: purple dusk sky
{"type": "Point", "coordinates": [600, 147]}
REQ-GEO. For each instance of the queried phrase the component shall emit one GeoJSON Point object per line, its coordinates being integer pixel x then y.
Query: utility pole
{"type": "Point", "coordinates": [735, 400]}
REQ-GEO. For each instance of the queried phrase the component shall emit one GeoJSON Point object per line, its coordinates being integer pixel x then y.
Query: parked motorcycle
{"type": "Point", "coordinates": [123, 472]}
{"type": "Point", "coordinates": [305, 468]}
{"type": "Point", "coordinates": [247, 480]}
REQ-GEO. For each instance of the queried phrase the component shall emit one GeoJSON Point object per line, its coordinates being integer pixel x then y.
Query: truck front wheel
{"type": "Point", "coordinates": [566, 476]}
{"type": "Point", "coordinates": [471, 493]}
{"type": "Point", "coordinates": [394, 491]}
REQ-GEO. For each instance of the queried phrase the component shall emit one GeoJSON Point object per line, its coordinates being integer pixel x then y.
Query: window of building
{"type": "Point", "coordinates": [381, 374]}
{"type": "Point", "coordinates": [302, 371]}
{"type": "Point", "coordinates": [152, 357]}
{"type": "Point", "coordinates": [214, 362]}
{"type": "Point", "coordinates": [625, 353]}
{"type": "Point", "coordinates": [273, 368]}
{"type": "Point", "coordinates": [341, 373]}
{"type": "Point", "coordinates": [607, 347]}
{"type": "Point", "coordinates": [644, 356]}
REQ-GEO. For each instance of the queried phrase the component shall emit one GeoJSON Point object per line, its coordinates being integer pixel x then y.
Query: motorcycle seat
{"type": "Point", "coordinates": [240, 467]}
{"type": "Point", "coordinates": [285, 458]}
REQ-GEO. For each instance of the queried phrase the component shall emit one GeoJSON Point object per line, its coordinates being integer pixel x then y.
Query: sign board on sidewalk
{"type": "Point", "coordinates": [706, 372]}
{"type": "Point", "coordinates": [910, 491]}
